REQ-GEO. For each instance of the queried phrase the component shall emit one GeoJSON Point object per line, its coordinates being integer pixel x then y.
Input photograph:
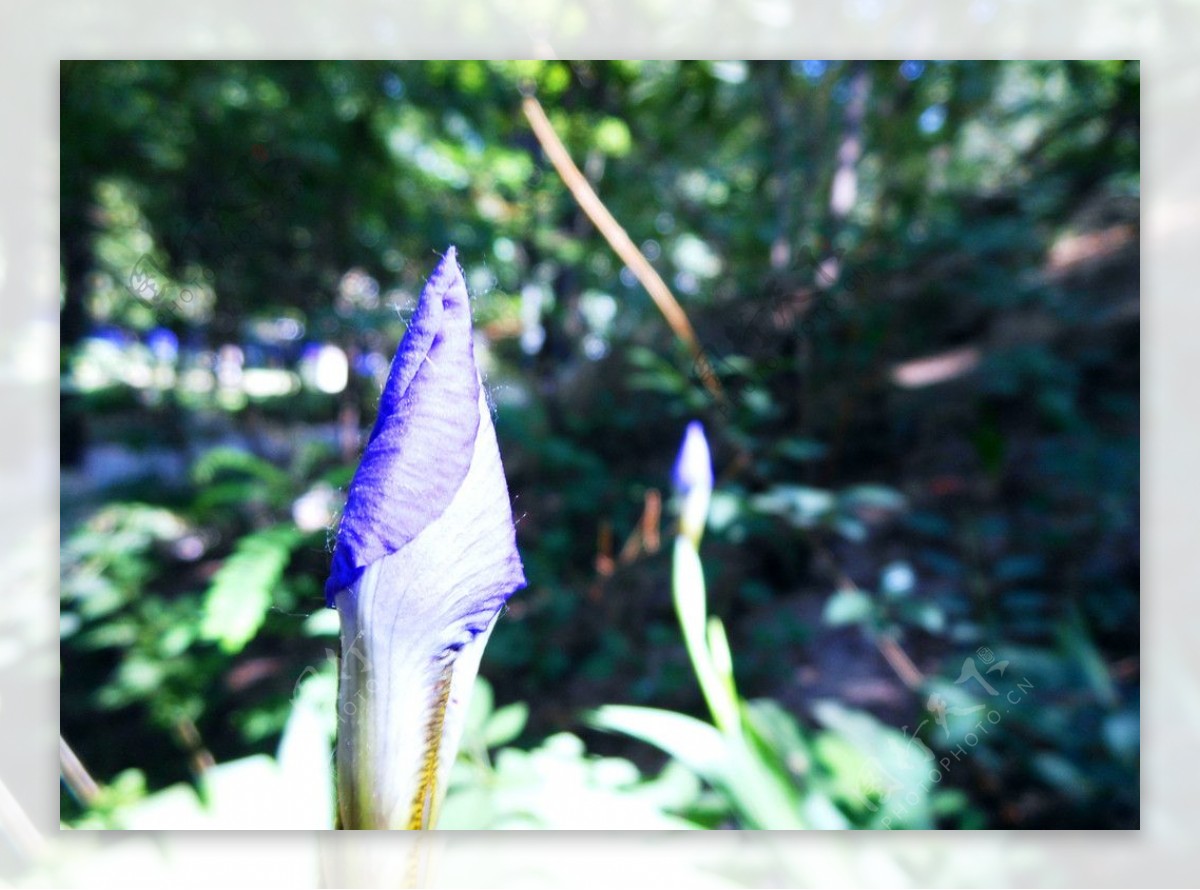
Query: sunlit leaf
{"type": "Point", "coordinates": [241, 592]}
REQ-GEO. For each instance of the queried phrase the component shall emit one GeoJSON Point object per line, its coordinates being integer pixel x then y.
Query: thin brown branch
{"type": "Point", "coordinates": [620, 241]}
{"type": "Point", "coordinates": [76, 776]}
{"type": "Point", "coordinates": [651, 520]}
{"type": "Point", "coordinates": [645, 538]}
{"type": "Point", "coordinates": [910, 675]}
{"type": "Point", "coordinates": [604, 549]}
{"type": "Point", "coordinates": [189, 736]}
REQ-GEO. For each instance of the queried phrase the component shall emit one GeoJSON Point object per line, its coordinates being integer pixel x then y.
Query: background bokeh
{"type": "Point", "coordinates": [918, 283]}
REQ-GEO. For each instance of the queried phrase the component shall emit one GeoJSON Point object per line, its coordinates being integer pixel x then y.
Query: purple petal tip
{"type": "Point", "coordinates": [693, 467]}
{"type": "Point", "coordinates": [424, 438]}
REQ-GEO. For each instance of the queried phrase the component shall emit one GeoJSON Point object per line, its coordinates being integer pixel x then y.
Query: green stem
{"type": "Point", "coordinates": [690, 607]}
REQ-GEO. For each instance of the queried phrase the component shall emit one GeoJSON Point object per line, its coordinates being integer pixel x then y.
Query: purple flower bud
{"type": "Point", "coordinates": [433, 427]}
{"type": "Point", "coordinates": [693, 480]}
{"type": "Point", "coordinates": [425, 559]}
{"type": "Point", "coordinates": [693, 467]}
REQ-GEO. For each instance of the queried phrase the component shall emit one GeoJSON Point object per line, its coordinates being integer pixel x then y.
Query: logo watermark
{"type": "Point", "coordinates": [897, 789]}
{"type": "Point", "coordinates": [218, 222]}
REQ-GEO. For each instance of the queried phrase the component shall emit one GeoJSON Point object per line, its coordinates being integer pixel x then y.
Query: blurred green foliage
{"type": "Point", "coordinates": [917, 281]}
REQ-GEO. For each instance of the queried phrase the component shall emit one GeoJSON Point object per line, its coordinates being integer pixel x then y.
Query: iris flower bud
{"type": "Point", "coordinates": [693, 479]}
{"type": "Point", "coordinates": [425, 559]}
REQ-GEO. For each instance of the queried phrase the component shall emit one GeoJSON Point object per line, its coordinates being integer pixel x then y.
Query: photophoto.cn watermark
{"type": "Point", "coordinates": [148, 282]}
{"type": "Point", "coordinates": [352, 662]}
{"type": "Point", "coordinates": [220, 221]}
{"type": "Point", "coordinates": [916, 770]}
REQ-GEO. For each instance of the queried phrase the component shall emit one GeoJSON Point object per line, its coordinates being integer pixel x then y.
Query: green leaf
{"type": "Point", "coordinates": [777, 731]}
{"type": "Point", "coordinates": [506, 724]}
{"type": "Point", "coordinates": [1077, 642]}
{"type": "Point", "coordinates": [305, 756]}
{"type": "Point", "coordinates": [241, 591]}
{"type": "Point", "coordinates": [881, 498]}
{"type": "Point", "coordinates": [691, 609]}
{"type": "Point", "coordinates": [721, 656]}
{"type": "Point", "coordinates": [848, 606]}
{"type": "Point", "coordinates": [479, 711]}
{"type": "Point", "coordinates": [872, 760]}
{"type": "Point", "coordinates": [762, 797]}
{"type": "Point", "coordinates": [559, 786]}
{"type": "Point", "coordinates": [694, 743]}
{"type": "Point", "coordinates": [800, 505]}
{"type": "Point", "coordinates": [802, 449]}
{"type": "Point", "coordinates": [612, 137]}
{"type": "Point", "coordinates": [226, 460]}
{"type": "Point", "coordinates": [927, 616]}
